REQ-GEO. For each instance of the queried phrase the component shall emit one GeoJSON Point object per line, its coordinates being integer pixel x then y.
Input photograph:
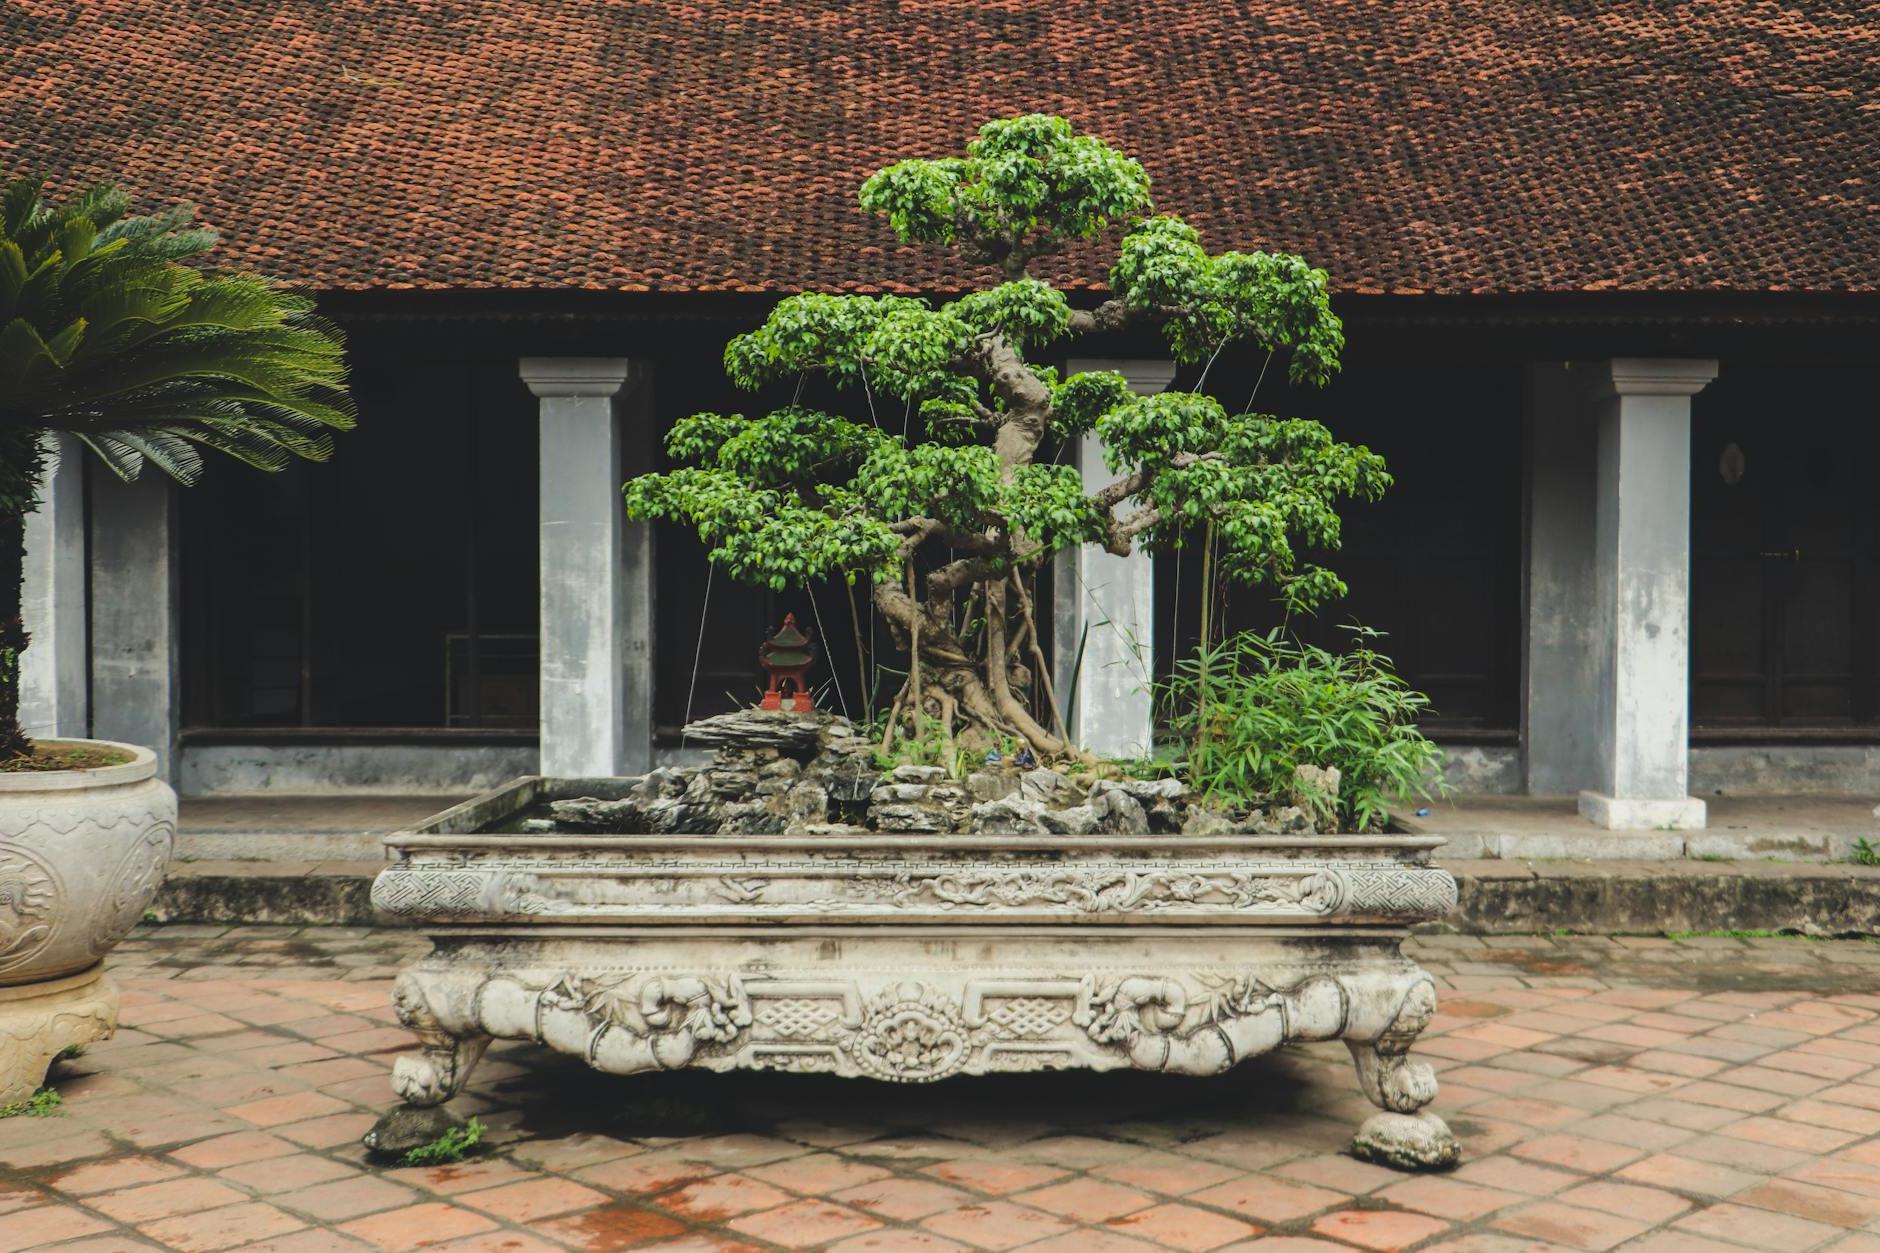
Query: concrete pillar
{"type": "Point", "coordinates": [1641, 602]}
{"type": "Point", "coordinates": [135, 695]}
{"type": "Point", "coordinates": [596, 567]}
{"type": "Point", "coordinates": [1104, 611]}
{"type": "Point", "coordinates": [1560, 675]}
{"type": "Point", "coordinates": [53, 669]}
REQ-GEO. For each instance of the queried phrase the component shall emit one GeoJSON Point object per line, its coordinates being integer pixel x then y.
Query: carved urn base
{"type": "Point", "coordinates": [915, 959]}
{"type": "Point", "coordinates": [38, 1021]}
{"type": "Point", "coordinates": [82, 853]}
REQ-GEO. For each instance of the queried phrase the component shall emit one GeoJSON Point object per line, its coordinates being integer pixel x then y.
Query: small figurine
{"type": "Point", "coordinates": [786, 657]}
{"type": "Point", "coordinates": [1023, 758]}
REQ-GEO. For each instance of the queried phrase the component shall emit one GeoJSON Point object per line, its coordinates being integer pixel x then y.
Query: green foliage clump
{"type": "Point", "coordinates": [1249, 710]}
{"type": "Point", "coordinates": [1025, 184]}
{"type": "Point", "coordinates": [452, 1146]}
{"type": "Point", "coordinates": [1273, 299]}
{"type": "Point", "coordinates": [41, 1104]}
{"type": "Point", "coordinates": [110, 334]}
{"type": "Point", "coordinates": [1864, 853]}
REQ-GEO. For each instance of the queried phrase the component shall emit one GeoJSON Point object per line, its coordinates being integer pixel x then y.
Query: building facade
{"type": "Point", "coordinates": [1611, 324]}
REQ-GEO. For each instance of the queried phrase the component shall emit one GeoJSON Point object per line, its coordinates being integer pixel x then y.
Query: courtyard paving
{"type": "Point", "coordinates": [1671, 1096]}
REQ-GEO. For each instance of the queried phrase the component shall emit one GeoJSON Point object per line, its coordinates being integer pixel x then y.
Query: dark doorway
{"type": "Point", "coordinates": [394, 586]}
{"type": "Point", "coordinates": [1784, 547]}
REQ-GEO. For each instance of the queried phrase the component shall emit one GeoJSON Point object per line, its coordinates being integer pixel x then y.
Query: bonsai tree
{"type": "Point", "coordinates": [110, 333]}
{"type": "Point", "coordinates": [947, 529]}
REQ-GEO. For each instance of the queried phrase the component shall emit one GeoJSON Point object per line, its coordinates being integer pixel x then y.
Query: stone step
{"type": "Point", "coordinates": [302, 847]}
{"type": "Point", "coordinates": [329, 892]}
{"type": "Point", "coordinates": [1498, 896]}
{"type": "Point", "coordinates": [1588, 843]}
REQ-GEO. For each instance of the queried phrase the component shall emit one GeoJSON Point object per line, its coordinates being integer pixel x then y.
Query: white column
{"type": "Point", "coordinates": [1641, 596]}
{"type": "Point", "coordinates": [1560, 671]}
{"type": "Point", "coordinates": [596, 569]}
{"type": "Point", "coordinates": [1104, 611]}
{"type": "Point", "coordinates": [53, 668]}
{"type": "Point", "coordinates": [135, 694]}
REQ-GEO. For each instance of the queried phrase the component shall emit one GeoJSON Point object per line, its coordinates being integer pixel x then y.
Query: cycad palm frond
{"type": "Point", "coordinates": [106, 334]}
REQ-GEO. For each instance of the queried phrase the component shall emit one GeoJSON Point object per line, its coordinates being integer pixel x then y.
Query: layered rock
{"type": "Point", "coordinates": [812, 774]}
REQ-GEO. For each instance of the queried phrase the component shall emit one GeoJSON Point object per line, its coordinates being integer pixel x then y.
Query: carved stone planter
{"type": "Point", "coordinates": [914, 958]}
{"type": "Point", "coordinates": [82, 853]}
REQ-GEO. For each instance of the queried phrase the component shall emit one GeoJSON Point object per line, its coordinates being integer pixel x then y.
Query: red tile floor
{"type": "Point", "coordinates": [1650, 1094]}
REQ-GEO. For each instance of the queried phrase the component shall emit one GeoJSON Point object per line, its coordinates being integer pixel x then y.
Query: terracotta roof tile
{"type": "Point", "coordinates": [1409, 145]}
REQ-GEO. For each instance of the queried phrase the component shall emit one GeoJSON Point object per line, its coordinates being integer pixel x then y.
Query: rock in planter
{"type": "Point", "coordinates": [1202, 820]}
{"type": "Point", "coordinates": [991, 785]}
{"type": "Point", "coordinates": [1012, 815]}
{"type": "Point", "coordinates": [1048, 787]}
{"type": "Point", "coordinates": [82, 853]}
{"type": "Point", "coordinates": [905, 817]}
{"type": "Point", "coordinates": [798, 735]}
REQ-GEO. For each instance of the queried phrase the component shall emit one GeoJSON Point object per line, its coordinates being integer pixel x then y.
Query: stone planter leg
{"type": "Point", "coordinates": [452, 1044]}
{"type": "Point", "coordinates": [38, 1021]}
{"type": "Point", "coordinates": [434, 1008]}
{"type": "Point", "coordinates": [1402, 1136]}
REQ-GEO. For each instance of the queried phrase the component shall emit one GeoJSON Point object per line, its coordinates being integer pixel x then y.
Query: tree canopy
{"type": "Point", "coordinates": [947, 520]}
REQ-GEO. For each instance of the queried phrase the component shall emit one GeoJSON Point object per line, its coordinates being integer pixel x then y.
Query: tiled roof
{"type": "Point", "coordinates": [1408, 145]}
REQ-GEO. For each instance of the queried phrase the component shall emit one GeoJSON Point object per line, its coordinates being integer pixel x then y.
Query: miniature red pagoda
{"type": "Point", "coordinates": [786, 658]}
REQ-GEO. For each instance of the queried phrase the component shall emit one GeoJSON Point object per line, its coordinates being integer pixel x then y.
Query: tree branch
{"type": "Point", "coordinates": [1027, 400]}
{"type": "Point", "coordinates": [917, 531]}
{"type": "Point", "coordinates": [1120, 531]}
{"type": "Point", "coordinates": [951, 577]}
{"type": "Point", "coordinates": [1115, 314]}
{"type": "Point", "coordinates": [1112, 315]}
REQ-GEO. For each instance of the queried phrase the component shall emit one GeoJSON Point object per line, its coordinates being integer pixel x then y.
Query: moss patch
{"type": "Point", "coordinates": [64, 755]}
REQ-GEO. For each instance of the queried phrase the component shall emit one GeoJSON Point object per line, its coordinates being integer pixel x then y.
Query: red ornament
{"type": "Point", "coordinates": [786, 657]}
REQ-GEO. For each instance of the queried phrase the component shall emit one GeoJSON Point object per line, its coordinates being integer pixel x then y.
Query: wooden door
{"type": "Point", "coordinates": [1783, 537]}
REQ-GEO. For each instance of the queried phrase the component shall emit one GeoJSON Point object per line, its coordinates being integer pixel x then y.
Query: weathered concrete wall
{"type": "Point", "coordinates": [1484, 769]}
{"type": "Point", "coordinates": [1510, 897]}
{"type": "Point", "coordinates": [1559, 667]}
{"type": "Point", "coordinates": [1497, 897]}
{"type": "Point", "coordinates": [134, 689]}
{"type": "Point", "coordinates": [384, 769]}
{"type": "Point", "coordinates": [52, 670]}
{"type": "Point", "coordinates": [1786, 769]}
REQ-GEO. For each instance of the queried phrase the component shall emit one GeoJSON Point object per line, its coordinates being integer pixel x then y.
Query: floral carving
{"type": "Point", "coordinates": [911, 1036]}
{"type": "Point", "coordinates": [29, 897]}
{"type": "Point", "coordinates": [134, 885]}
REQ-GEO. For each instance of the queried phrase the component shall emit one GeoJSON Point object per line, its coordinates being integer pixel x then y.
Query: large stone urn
{"type": "Point", "coordinates": [82, 853]}
{"type": "Point", "coordinates": [913, 957]}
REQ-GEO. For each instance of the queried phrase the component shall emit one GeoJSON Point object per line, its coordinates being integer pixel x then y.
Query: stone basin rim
{"type": "Point", "coordinates": [941, 841]}
{"type": "Point", "coordinates": [916, 928]}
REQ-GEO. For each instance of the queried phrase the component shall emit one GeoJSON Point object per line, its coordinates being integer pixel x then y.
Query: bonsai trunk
{"type": "Point", "coordinates": [20, 463]}
{"type": "Point", "coordinates": [963, 689]}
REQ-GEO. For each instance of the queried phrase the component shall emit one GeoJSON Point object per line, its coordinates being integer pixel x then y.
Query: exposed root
{"type": "Point", "coordinates": [1037, 654]}
{"type": "Point", "coordinates": [949, 709]}
{"type": "Point", "coordinates": [978, 689]}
